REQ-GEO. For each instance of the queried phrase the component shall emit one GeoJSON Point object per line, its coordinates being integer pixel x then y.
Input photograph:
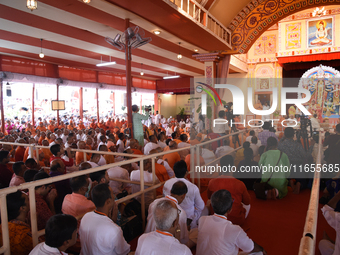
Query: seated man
{"type": "Point", "coordinates": [237, 189]}
{"type": "Point", "coordinates": [58, 151]}
{"type": "Point", "coordinates": [153, 144]}
{"type": "Point", "coordinates": [19, 169]}
{"type": "Point", "coordinates": [217, 235]}
{"type": "Point", "coordinates": [178, 192]}
{"type": "Point", "coordinates": [60, 234]}
{"type": "Point", "coordinates": [173, 157]}
{"type": "Point", "coordinates": [193, 203]}
{"type": "Point", "coordinates": [326, 245]}
{"type": "Point", "coordinates": [162, 241]}
{"type": "Point", "coordinates": [20, 236]}
{"type": "Point", "coordinates": [76, 204]}
{"type": "Point", "coordinates": [148, 179]}
{"type": "Point", "coordinates": [223, 150]}
{"type": "Point", "coordinates": [120, 172]}
{"type": "Point", "coordinates": [44, 199]}
{"type": "Point", "coordinates": [98, 233]}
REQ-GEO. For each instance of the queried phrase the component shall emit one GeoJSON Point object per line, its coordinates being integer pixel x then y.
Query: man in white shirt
{"type": "Point", "coordinates": [217, 235]}
{"type": "Point", "coordinates": [119, 172]}
{"type": "Point", "coordinates": [65, 135]}
{"type": "Point", "coordinates": [315, 122]}
{"type": "Point", "coordinates": [161, 140]}
{"type": "Point", "coordinates": [223, 150]}
{"type": "Point", "coordinates": [220, 125]}
{"type": "Point", "coordinates": [157, 118]}
{"type": "Point", "coordinates": [151, 145]}
{"type": "Point", "coordinates": [60, 234]}
{"type": "Point", "coordinates": [94, 160]}
{"type": "Point", "coordinates": [207, 153]}
{"type": "Point", "coordinates": [162, 241]}
{"type": "Point", "coordinates": [181, 122]}
{"type": "Point", "coordinates": [148, 179]}
{"type": "Point", "coordinates": [254, 146]}
{"type": "Point", "coordinates": [163, 120]}
{"type": "Point", "coordinates": [97, 232]}
{"type": "Point", "coordinates": [326, 245]}
{"type": "Point", "coordinates": [169, 130]}
{"type": "Point", "coordinates": [178, 192]}
{"type": "Point", "coordinates": [193, 203]}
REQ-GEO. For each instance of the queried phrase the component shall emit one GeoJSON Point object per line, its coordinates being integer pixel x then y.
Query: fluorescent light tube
{"type": "Point", "coordinates": [171, 77]}
{"type": "Point", "coordinates": [106, 63]}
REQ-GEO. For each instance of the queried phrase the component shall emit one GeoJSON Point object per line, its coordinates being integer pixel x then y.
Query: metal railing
{"type": "Point", "coordinates": [30, 186]}
{"type": "Point", "coordinates": [308, 240]}
{"type": "Point", "coordinates": [197, 13]}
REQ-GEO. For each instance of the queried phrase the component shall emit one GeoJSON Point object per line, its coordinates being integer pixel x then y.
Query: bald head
{"type": "Point", "coordinates": [84, 166]}
{"type": "Point", "coordinates": [21, 140]}
{"type": "Point", "coordinates": [172, 145]}
{"type": "Point", "coordinates": [57, 165]}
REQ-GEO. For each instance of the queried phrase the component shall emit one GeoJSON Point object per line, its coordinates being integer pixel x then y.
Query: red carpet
{"type": "Point", "coordinates": [277, 225]}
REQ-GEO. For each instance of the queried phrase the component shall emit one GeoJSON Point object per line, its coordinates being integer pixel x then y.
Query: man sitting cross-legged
{"type": "Point", "coordinates": [162, 241]}
{"type": "Point", "coordinates": [60, 234]}
{"type": "Point", "coordinates": [193, 203]}
{"type": "Point", "coordinates": [217, 235]}
{"type": "Point", "coordinates": [178, 193]}
{"type": "Point", "coordinates": [98, 233]}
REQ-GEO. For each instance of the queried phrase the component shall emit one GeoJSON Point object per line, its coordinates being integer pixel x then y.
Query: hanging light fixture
{"type": "Point", "coordinates": [41, 55]}
{"type": "Point", "coordinates": [179, 56]}
{"type": "Point", "coordinates": [87, 1]}
{"type": "Point", "coordinates": [141, 69]}
{"type": "Point", "coordinates": [32, 4]}
{"type": "Point", "coordinates": [106, 63]}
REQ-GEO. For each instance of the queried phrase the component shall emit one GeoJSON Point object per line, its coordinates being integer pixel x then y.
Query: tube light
{"type": "Point", "coordinates": [171, 77]}
{"type": "Point", "coordinates": [106, 64]}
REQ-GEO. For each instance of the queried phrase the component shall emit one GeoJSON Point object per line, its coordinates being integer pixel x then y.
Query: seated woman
{"type": "Point", "coordinates": [272, 160]}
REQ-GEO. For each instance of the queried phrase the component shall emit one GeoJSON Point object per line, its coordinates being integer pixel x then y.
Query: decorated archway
{"type": "Point", "coordinates": [259, 15]}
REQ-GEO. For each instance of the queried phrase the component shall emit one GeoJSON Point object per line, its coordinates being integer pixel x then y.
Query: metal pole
{"type": "Point", "coordinates": [58, 121]}
{"type": "Point", "coordinates": [81, 108]}
{"type": "Point", "coordinates": [128, 74]}
{"type": "Point", "coordinates": [33, 214]}
{"type": "Point", "coordinates": [33, 92]}
{"type": "Point", "coordinates": [142, 189]}
{"type": "Point", "coordinates": [37, 151]}
{"type": "Point", "coordinates": [2, 107]}
{"type": "Point", "coordinates": [154, 174]}
{"type": "Point", "coordinates": [4, 224]}
{"type": "Point", "coordinates": [97, 95]}
{"type": "Point", "coordinates": [198, 164]}
{"type": "Point", "coordinates": [192, 162]}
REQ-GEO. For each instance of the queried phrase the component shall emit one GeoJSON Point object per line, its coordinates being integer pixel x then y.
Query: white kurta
{"type": "Point", "coordinates": [217, 235]}
{"type": "Point", "coordinates": [151, 226]}
{"type": "Point", "coordinates": [193, 203]}
{"type": "Point", "coordinates": [101, 236]}
{"type": "Point", "coordinates": [158, 243]}
{"type": "Point", "coordinates": [120, 173]}
{"type": "Point", "coordinates": [44, 249]}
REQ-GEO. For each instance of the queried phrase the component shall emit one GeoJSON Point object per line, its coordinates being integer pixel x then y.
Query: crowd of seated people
{"type": "Point", "coordinates": [91, 198]}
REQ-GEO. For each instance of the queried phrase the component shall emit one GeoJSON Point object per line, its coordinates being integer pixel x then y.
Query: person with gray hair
{"type": "Point", "coordinates": [178, 193]}
{"type": "Point", "coordinates": [162, 241]}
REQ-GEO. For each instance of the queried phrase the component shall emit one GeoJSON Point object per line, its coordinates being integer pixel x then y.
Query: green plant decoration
{"type": "Point", "coordinates": [181, 112]}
